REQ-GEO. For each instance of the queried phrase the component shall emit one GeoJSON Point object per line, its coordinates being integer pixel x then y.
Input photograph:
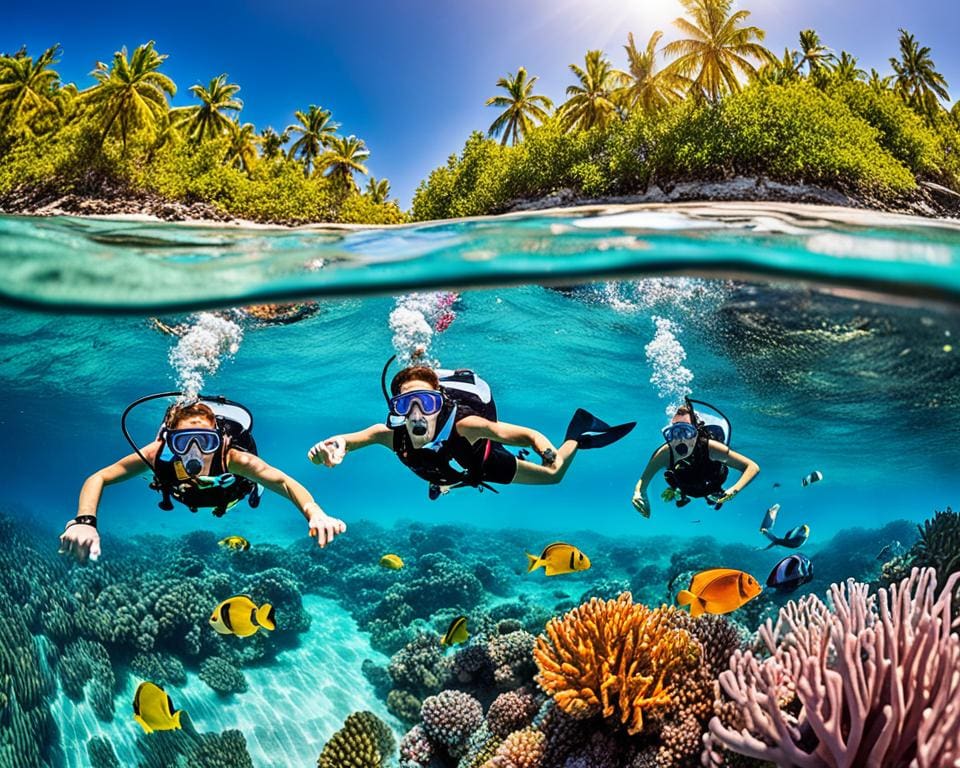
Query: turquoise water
{"type": "Point", "coordinates": [855, 376]}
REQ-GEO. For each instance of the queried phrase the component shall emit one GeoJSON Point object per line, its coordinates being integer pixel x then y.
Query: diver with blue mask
{"type": "Point", "coordinates": [443, 426]}
{"type": "Point", "coordinates": [695, 458]}
{"type": "Point", "coordinates": [204, 456]}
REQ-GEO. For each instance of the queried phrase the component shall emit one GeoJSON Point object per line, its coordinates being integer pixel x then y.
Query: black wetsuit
{"type": "Point", "coordinates": [699, 475]}
{"type": "Point", "coordinates": [457, 462]}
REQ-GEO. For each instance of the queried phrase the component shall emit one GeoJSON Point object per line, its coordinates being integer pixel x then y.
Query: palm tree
{"type": "Point", "coordinates": [918, 82]}
{"type": "Point", "coordinates": [206, 120]}
{"type": "Point", "coordinates": [272, 143]}
{"type": "Point", "coordinates": [592, 102]}
{"type": "Point", "coordinates": [813, 53]}
{"type": "Point", "coordinates": [378, 189]}
{"type": "Point", "coordinates": [316, 129]}
{"type": "Point", "coordinates": [131, 94]}
{"type": "Point", "coordinates": [644, 87]}
{"type": "Point", "coordinates": [717, 48]}
{"type": "Point", "coordinates": [520, 108]}
{"type": "Point", "coordinates": [343, 158]}
{"type": "Point", "coordinates": [782, 71]}
{"type": "Point", "coordinates": [28, 88]}
{"type": "Point", "coordinates": [242, 152]}
{"type": "Point", "coordinates": [878, 82]}
{"type": "Point", "coordinates": [845, 69]}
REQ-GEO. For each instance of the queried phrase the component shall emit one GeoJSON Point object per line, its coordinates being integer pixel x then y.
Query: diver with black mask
{"type": "Point", "coordinates": [204, 456]}
{"type": "Point", "coordinates": [443, 425]}
{"type": "Point", "coordinates": [695, 458]}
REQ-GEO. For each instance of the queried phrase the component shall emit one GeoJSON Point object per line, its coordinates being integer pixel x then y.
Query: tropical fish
{"type": "Point", "coordinates": [813, 477]}
{"type": "Point", "coordinates": [235, 542]}
{"type": "Point", "coordinates": [776, 485]}
{"type": "Point", "coordinates": [770, 518]}
{"type": "Point", "coordinates": [393, 562]}
{"type": "Point", "coordinates": [794, 538]}
{"type": "Point", "coordinates": [456, 632]}
{"type": "Point", "coordinates": [153, 709]}
{"type": "Point", "coordinates": [790, 573]}
{"type": "Point", "coordinates": [719, 590]}
{"type": "Point", "coordinates": [559, 558]}
{"type": "Point", "coordinates": [240, 616]}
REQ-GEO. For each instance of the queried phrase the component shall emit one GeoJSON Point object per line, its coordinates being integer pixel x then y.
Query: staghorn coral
{"type": "Point", "coordinates": [364, 741]}
{"type": "Point", "coordinates": [222, 676]}
{"type": "Point", "coordinates": [615, 658]}
{"type": "Point", "coordinates": [521, 749]}
{"type": "Point", "coordinates": [450, 717]}
{"type": "Point", "coordinates": [840, 687]}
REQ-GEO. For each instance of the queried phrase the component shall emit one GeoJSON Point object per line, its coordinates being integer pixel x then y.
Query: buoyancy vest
{"type": "Point", "coordinates": [698, 475]}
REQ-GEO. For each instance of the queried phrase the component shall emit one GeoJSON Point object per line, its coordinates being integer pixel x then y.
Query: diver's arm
{"type": "Point", "coordinates": [254, 468]}
{"type": "Point", "coordinates": [82, 540]}
{"type": "Point", "coordinates": [332, 450]}
{"type": "Point", "coordinates": [749, 469]}
{"type": "Point", "coordinates": [658, 462]}
{"type": "Point", "coordinates": [478, 428]}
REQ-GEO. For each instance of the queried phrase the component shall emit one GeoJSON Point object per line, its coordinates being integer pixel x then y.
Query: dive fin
{"type": "Point", "coordinates": [590, 432]}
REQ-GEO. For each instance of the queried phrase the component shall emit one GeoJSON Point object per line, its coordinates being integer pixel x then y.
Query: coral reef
{"type": "Point", "coordinates": [449, 718]}
{"type": "Point", "coordinates": [222, 676]}
{"type": "Point", "coordinates": [159, 668]}
{"type": "Point", "coordinates": [101, 754]}
{"type": "Point", "coordinates": [521, 749]}
{"type": "Point", "coordinates": [510, 712]}
{"type": "Point", "coordinates": [415, 747]}
{"type": "Point", "coordinates": [615, 658]}
{"type": "Point", "coordinates": [840, 686]}
{"type": "Point", "coordinates": [364, 741]}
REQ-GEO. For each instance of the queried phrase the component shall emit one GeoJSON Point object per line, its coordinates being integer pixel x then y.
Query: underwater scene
{"type": "Point", "coordinates": [645, 487]}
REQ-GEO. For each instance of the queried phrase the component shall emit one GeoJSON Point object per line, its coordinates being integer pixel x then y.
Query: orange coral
{"type": "Point", "coordinates": [616, 658]}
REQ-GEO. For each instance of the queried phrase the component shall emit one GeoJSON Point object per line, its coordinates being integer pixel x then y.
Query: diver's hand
{"type": "Point", "coordinates": [330, 452]}
{"type": "Point", "coordinates": [726, 496]}
{"type": "Point", "coordinates": [548, 457]}
{"type": "Point", "coordinates": [324, 527]}
{"type": "Point", "coordinates": [81, 541]}
{"type": "Point", "coordinates": [641, 503]}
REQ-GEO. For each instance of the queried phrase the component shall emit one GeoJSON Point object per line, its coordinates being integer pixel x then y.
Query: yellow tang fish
{"type": "Point", "coordinates": [559, 558]}
{"type": "Point", "coordinates": [719, 590]}
{"type": "Point", "coordinates": [456, 632]}
{"type": "Point", "coordinates": [240, 616]}
{"type": "Point", "coordinates": [235, 542]}
{"type": "Point", "coordinates": [153, 709]}
{"type": "Point", "coordinates": [393, 562]}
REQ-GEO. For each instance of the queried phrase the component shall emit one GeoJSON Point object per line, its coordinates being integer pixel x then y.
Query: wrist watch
{"type": "Point", "coordinates": [90, 520]}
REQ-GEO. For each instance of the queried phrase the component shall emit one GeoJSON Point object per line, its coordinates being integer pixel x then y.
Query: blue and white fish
{"type": "Point", "coordinates": [770, 518]}
{"type": "Point", "coordinates": [790, 573]}
{"type": "Point", "coordinates": [794, 538]}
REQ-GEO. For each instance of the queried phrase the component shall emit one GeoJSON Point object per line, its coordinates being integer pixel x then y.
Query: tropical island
{"type": "Point", "coordinates": [712, 114]}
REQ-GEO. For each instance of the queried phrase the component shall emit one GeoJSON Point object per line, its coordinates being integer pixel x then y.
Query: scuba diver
{"type": "Point", "coordinates": [443, 425]}
{"type": "Point", "coordinates": [203, 456]}
{"type": "Point", "coordinates": [695, 458]}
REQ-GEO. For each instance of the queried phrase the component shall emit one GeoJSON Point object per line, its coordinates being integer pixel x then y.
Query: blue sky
{"type": "Point", "coordinates": [411, 77]}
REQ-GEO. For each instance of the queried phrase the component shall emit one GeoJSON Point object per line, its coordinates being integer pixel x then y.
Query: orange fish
{"type": "Point", "coordinates": [719, 590]}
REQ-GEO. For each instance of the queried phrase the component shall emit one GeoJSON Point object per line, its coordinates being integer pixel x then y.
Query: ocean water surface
{"type": "Point", "coordinates": [829, 340]}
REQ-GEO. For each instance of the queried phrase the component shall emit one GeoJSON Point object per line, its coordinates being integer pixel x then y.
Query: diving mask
{"type": "Point", "coordinates": [430, 402]}
{"type": "Point", "coordinates": [682, 438]}
{"type": "Point", "coordinates": [191, 445]}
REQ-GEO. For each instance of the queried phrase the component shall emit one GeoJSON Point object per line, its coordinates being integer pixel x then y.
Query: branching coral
{"type": "Point", "coordinates": [363, 742]}
{"type": "Point", "coordinates": [875, 681]}
{"type": "Point", "coordinates": [615, 658]}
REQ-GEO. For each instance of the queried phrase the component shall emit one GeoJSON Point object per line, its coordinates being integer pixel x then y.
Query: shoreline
{"type": "Point", "coordinates": [930, 201]}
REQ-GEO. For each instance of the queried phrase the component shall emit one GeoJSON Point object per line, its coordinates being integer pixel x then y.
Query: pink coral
{"type": "Point", "coordinates": [415, 747]}
{"type": "Point", "coordinates": [874, 682]}
{"type": "Point", "coordinates": [450, 717]}
{"type": "Point", "coordinates": [510, 712]}
{"type": "Point", "coordinates": [522, 749]}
